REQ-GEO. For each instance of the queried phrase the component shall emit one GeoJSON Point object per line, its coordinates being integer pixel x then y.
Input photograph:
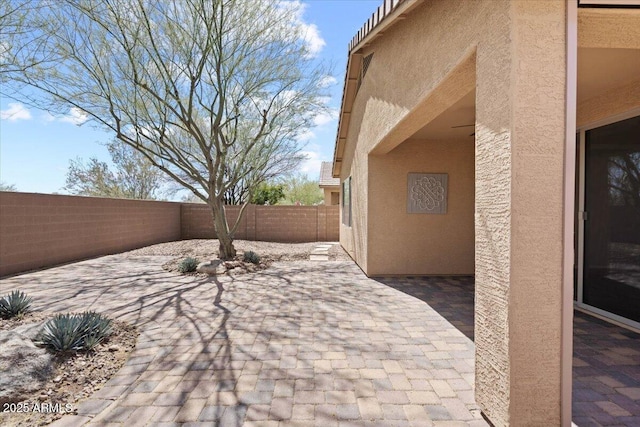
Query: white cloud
{"type": "Point", "coordinates": [76, 116]}
{"type": "Point", "coordinates": [317, 122]}
{"type": "Point", "coordinates": [308, 32]}
{"type": "Point", "coordinates": [311, 166]}
{"type": "Point", "coordinates": [306, 136]}
{"type": "Point", "coordinates": [325, 117]}
{"type": "Point", "coordinates": [311, 35]}
{"type": "Point", "coordinates": [327, 81]}
{"type": "Point", "coordinates": [16, 111]}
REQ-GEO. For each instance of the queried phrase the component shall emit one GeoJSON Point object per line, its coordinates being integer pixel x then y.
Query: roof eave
{"type": "Point", "coordinates": [388, 14]}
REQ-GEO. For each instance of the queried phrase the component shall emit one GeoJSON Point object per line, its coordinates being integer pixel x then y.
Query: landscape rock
{"type": "Point", "coordinates": [211, 267]}
{"type": "Point", "coordinates": [24, 366]}
{"type": "Point", "coordinates": [219, 267]}
{"type": "Point", "coordinates": [230, 265]}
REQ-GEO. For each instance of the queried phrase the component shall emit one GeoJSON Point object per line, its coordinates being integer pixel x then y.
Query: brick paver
{"type": "Point", "coordinates": [304, 343]}
{"type": "Point", "coordinates": [606, 377]}
{"type": "Point", "coordinates": [307, 344]}
{"type": "Point", "coordinates": [606, 363]}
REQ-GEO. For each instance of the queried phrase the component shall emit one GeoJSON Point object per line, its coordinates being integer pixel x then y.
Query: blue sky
{"type": "Point", "coordinates": [35, 147]}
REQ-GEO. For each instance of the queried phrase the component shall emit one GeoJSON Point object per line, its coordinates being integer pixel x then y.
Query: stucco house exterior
{"type": "Point", "coordinates": [329, 185]}
{"type": "Point", "coordinates": [500, 139]}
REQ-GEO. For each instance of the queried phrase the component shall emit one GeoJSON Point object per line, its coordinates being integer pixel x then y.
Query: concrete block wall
{"type": "Point", "coordinates": [332, 221]}
{"type": "Point", "coordinates": [39, 230]}
{"type": "Point", "coordinates": [298, 225]}
{"type": "Point", "coordinates": [196, 221]}
{"type": "Point", "coordinates": [266, 223]}
{"type": "Point", "coordinates": [329, 222]}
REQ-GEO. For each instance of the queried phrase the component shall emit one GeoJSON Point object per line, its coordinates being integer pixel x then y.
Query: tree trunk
{"type": "Point", "coordinates": [227, 250]}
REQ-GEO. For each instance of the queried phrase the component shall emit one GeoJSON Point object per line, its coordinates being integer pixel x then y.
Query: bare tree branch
{"type": "Point", "coordinates": [214, 93]}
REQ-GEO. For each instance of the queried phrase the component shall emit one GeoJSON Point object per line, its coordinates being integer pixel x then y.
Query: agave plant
{"type": "Point", "coordinates": [15, 304]}
{"type": "Point", "coordinates": [188, 265]}
{"type": "Point", "coordinates": [96, 328]}
{"type": "Point", "coordinates": [252, 257]}
{"type": "Point", "coordinates": [74, 332]}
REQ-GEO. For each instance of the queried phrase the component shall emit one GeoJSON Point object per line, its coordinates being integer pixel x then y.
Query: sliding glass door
{"type": "Point", "coordinates": [610, 218]}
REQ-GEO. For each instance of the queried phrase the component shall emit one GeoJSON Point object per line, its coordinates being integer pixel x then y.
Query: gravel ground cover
{"type": "Point", "coordinates": [208, 248]}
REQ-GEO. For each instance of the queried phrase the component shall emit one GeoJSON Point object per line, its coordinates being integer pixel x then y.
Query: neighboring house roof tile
{"type": "Point", "coordinates": [326, 178]}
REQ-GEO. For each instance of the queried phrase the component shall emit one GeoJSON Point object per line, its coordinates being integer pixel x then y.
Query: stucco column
{"type": "Point", "coordinates": [520, 135]}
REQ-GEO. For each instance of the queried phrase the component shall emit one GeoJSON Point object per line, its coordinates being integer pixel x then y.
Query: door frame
{"type": "Point", "coordinates": [579, 218]}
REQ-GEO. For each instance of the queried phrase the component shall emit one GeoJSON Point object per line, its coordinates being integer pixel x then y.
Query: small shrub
{"type": "Point", "coordinates": [75, 332]}
{"type": "Point", "coordinates": [15, 304]}
{"type": "Point", "coordinates": [188, 265]}
{"type": "Point", "coordinates": [252, 257]}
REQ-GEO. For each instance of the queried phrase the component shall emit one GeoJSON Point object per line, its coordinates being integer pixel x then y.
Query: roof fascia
{"type": "Point", "coordinates": [388, 14]}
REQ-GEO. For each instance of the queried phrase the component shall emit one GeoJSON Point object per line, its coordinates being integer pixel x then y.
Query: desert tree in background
{"type": "Point", "coordinates": [7, 187]}
{"type": "Point", "coordinates": [132, 176]}
{"type": "Point", "coordinates": [299, 189]}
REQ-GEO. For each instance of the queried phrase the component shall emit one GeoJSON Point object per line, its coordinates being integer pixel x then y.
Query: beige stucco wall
{"type": "Point", "coordinates": [609, 28]}
{"type": "Point", "coordinates": [410, 243]}
{"type": "Point", "coordinates": [537, 169]}
{"type": "Point", "coordinates": [616, 101]}
{"type": "Point", "coordinates": [330, 200]}
{"type": "Point", "coordinates": [615, 29]}
{"type": "Point", "coordinates": [408, 64]}
{"type": "Point", "coordinates": [353, 238]}
{"type": "Point", "coordinates": [519, 65]}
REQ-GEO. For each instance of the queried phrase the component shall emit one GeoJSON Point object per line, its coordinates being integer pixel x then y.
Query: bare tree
{"type": "Point", "coordinates": [12, 14]}
{"type": "Point", "coordinates": [134, 177]}
{"type": "Point", "coordinates": [15, 56]}
{"type": "Point", "coordinates": [212, 92]}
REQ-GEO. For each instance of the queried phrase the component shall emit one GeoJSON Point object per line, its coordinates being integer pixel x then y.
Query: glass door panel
{"type": "Point", "coordinates": [612, 226]}
{"type": "Point", "coordinates": [577, 224]}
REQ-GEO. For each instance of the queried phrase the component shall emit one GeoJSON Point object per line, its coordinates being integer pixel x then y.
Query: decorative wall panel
{"type": "Point", "coordinates": [427, 193]}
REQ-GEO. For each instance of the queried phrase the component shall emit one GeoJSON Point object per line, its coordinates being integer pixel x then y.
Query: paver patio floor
{"type": "Point", "coordinates": [606, 357]}
{"type": "Point", "coordinates": [300, 344]}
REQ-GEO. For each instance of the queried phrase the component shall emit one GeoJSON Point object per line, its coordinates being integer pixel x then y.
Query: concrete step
{"type": "Point", "coordinates": [320, 252]}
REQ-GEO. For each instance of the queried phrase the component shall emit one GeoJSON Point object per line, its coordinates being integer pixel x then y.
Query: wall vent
{"type": "Point", "coordinates": [363, 69]}
{"type": "Point", "coordinates": [365, 63]}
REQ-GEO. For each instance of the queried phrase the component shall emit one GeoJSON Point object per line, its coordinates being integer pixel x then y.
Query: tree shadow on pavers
{"type": "Point", "coordinates": [451, 296]}
{"type": "Point", "coordinates": [345, 316]}
{"type": "Point", "coordinates": [366, 323]}
{"type": "Point", "coordinates": [277, 344]}
{"type": "Point", "coordinates": [80, 286]}
{"type": "Point", "coordinates": [243, 342]}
